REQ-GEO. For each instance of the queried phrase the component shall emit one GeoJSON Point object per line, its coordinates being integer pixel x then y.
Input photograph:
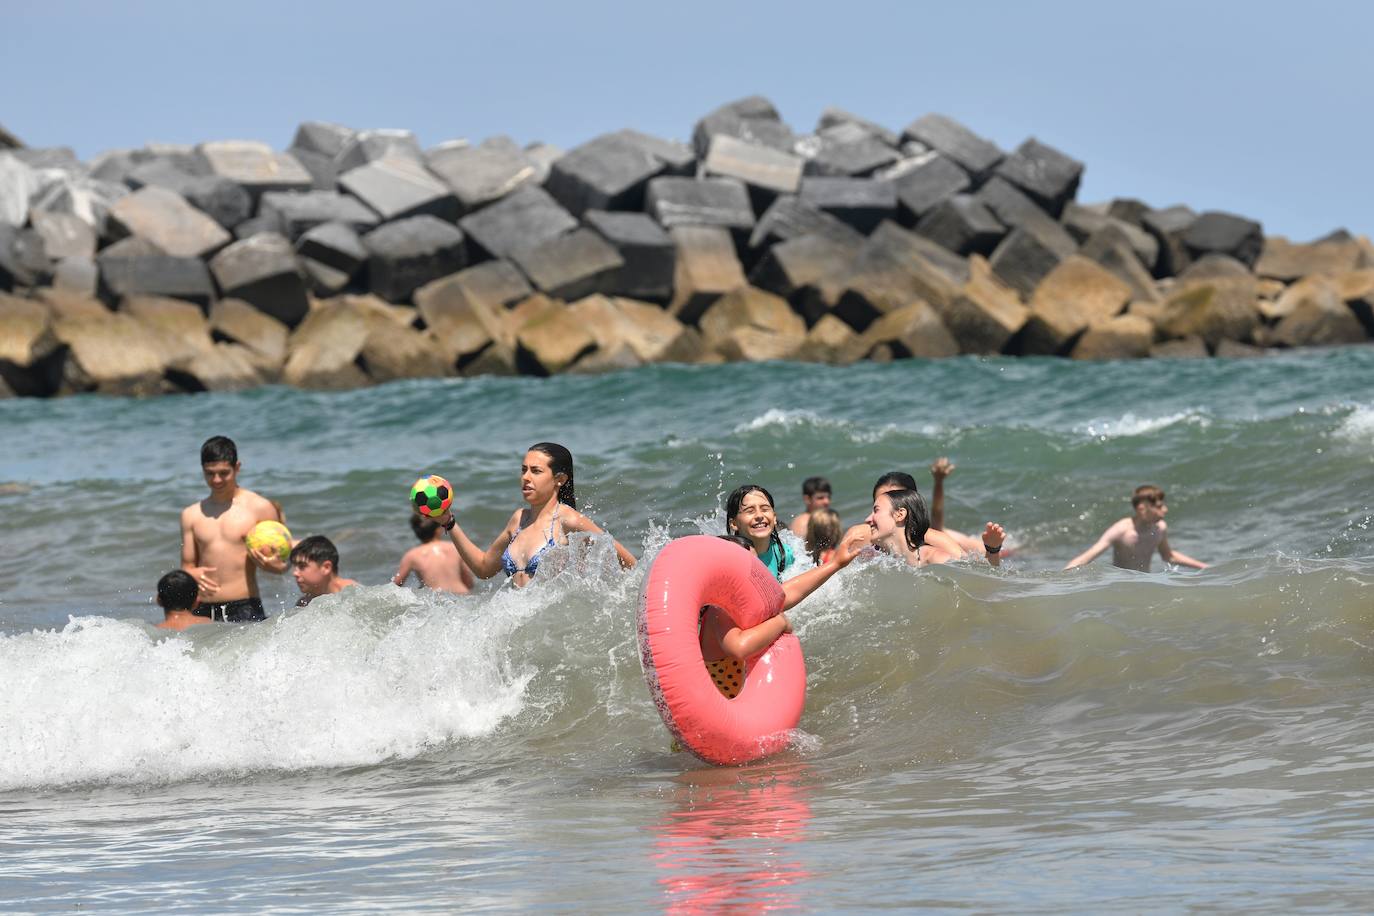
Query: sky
{"type": "Point", "coordinates": [1257, 108]}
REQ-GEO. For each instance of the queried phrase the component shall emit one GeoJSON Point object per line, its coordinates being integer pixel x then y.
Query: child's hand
{"type": "Point", "coordinates": [941, 469]}
{"type": "Point", "coordinates": [268, 559]}
{"type": "Point", "coordinates": [207, 584]}
{"type": "Point", "coordinates": [850, 547]}
{"type": "Point", "coordinates": [993, 536]}
{"type": "Point", "coordinates": [444, 519]}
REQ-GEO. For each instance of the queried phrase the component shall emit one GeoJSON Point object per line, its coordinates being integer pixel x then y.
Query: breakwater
{"type": "Point", "coordinates": [358, 256]}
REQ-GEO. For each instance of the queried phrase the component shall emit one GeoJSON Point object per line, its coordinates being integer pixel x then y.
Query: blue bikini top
{"type": "Point", "coordinates": [531, 565]}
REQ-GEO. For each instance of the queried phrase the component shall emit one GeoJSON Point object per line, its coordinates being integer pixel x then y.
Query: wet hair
{"type": "Point", "coordinates": [177, 591]}
{"type": "Point", "coordinates": [739, 539]}
{"type": "Point", "coordinates": [218, 448]}
{"type": "Point", "coordinates": [424, 528]}
{"type": "Point", "coordinates": [560, 462]}
{"type": "Point", "coordinates": [822, 532]}
{"type": "Point", "coordinates": [316, 549]}
{"type": "Point", "coordinates": [1147, 493]}
{"type": "Point", "coordinates": [898, 478]}
{"type": "Point", "coordinates": [732, 506]}
{"type": "Point", "coordinates": [917, 515]}
{"type": "Point", "coordinates": [813, 485]}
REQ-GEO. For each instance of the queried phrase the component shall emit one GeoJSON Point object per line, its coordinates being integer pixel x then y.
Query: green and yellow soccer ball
{"type": "Point", "coordinates": [431, 496]}
{"type": "Point", "coordinates": [270, 534]}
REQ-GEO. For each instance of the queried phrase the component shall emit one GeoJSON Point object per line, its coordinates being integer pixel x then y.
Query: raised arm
{"type": "Point", "coordinates": [941, 469]}
{"type": "Point", "coordinates": [1093, 552]}
{"type": "Point", "coordinates": [576, 521]}
{"type": "Point", "coordinates": [741, 644]}
{"type": "Point", "coordinates": [798, 587]}
{"type": "Point", "coordinates": [483, 564]}
{"type": "Point", "coordinates": [1178, 559]}
{"type": "Point", "coordinates": [993, 536]}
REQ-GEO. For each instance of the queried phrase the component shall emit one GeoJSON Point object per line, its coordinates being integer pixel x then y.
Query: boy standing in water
{"type": "Point", "coordinates": [315, 564]}
{"type": "Point", "coordinates": [1134, 539]}
{"type": "Point", "coordinates": [213, 551]}
{"type": "Point", "coordinates": [435, 562]}
{"type": "Point", "coordinates": [816, 495]}
{"type": "Point", "coordinates": [176, 595]}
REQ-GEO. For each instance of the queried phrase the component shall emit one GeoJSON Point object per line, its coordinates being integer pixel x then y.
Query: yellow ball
{"type": "Point", "coordinates": [270, 534]}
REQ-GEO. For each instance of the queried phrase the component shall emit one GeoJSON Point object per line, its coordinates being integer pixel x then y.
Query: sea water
{"type": "Point", "coordinates": [1025, 739]}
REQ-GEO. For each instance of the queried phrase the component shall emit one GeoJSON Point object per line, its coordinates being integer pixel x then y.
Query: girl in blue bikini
{"type": "Point", "coordinates": [546, 482]}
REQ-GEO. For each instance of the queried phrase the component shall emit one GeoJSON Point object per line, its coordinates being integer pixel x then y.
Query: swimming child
{"type": "Point", "coordinates": [176, 595]}
{"type": "Point", "coordinates": [1134, 539]}
{"type": "Point", "coordinates": [823, 533]}
{"type": "Point", "coordinates": [900, 480]}
{"type": "Point", "coordinates": [816, 495]}
{"type": "Point", "coordinates": [315, 564]}
{"type": "Point", "coordinates": [435, 562]}
{"type": "Point", "coordinates": [899, 525]}
{"type": "Point", "coordinates": [546, 483]}
{"type": "Point", "coordinates": [749, 512]}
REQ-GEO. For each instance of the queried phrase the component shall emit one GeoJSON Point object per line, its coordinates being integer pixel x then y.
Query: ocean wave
{"type": "Point", "coordinates": [787, 421]}
{"type": "Point", "coordinates": [1358, 425]}
{"type": "Point", "coordinates": [1129, 424]}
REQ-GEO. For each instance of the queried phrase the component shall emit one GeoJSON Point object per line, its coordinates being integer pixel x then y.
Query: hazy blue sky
{"type": "Point", "coordinates": [1263, 109]}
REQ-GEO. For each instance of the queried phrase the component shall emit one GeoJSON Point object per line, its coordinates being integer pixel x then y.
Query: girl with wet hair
{"type": "Point", "coordinates": [900, 521]}
{"type": "Point", "coordinates": [750, 512]}
{"type": "Point", "coordinates": [546, 484]}
{"type": "Point", "coordinates": [822, 534]}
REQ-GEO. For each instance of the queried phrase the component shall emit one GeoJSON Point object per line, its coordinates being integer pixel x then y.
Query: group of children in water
{"type": "Point", "coordinates": [218, 574]}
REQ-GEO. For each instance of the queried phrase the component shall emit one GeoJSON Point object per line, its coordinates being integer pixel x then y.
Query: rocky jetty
{"type": "Point", "coordinates": [358, 256]}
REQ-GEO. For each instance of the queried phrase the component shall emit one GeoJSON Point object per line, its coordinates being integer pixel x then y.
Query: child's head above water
{"type": "Point", "coordinates": [1147, 493]}
{"type": "Point", "coordinates": [894, 480]}
{"type": "Point", "coordinates": [177, 591]}
{"type": "Point", "coordinates": [425, 528]}
{"type": "Point", "coordinates": [822, 532]}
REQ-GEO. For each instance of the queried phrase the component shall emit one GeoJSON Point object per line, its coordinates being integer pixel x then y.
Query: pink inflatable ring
{"type": "Point", "coordinates": [687, 575]}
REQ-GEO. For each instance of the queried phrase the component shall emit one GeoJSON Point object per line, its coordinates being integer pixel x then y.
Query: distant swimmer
{"type": "Point", "coordinates": [435, 562]}
{"type": "Point", "coordinates": [1135, 539]}
{"type": "Point", "coordinates": [546, 484]}
{"type": "Point", "coordinates": [176, 595]}
{"type": "Point", "coordinates": [315, 564]}
{"type": "Point", "coordinates": [213, 551]}
{"type": "Point", "coordinates": [823, 533]}
{"type": "Point", "coordinates": [815, 495]}
{"type": "Point", "coordinates": [900, 526]}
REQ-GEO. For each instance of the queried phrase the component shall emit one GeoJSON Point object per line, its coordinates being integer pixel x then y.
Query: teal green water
{"type": "Point", "coordinates": [1029, 739]}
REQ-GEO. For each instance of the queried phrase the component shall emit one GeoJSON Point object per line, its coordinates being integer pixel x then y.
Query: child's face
{"type": "Point", "coordinates": [883, 520]}
{"type": "Point", "coordinates": [312, 578]}
{"type": "Point", "coordinates": [538, 482]}
{"type": "Point", "coordinates": [1151, 512]}
{"type": "Point", "coordinates": [755, 519]}
{"type": "Point", "coordinates": [220, 475]}
{"type": "Point", "coordinates": [816, 501]}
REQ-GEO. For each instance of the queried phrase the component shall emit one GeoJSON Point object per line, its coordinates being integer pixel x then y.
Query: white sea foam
{"type": "Point", "coordinates": [1131, 425]}
{"type": "Point", "coordinates": [1359, 425]}
{"type": "Point", "coordinates": [776, 418]}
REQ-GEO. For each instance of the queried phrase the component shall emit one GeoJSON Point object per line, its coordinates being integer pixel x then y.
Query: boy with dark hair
{"type": "Point", "coordinates": [213, 551]}
{"type": "Point", "coordinates": [176, 595]}
{"type": "Point", "coordinates": [1134, 539]}
{"type": "Point", "coordinates": [435, 562]}
{"type": "Point", "coordinates": [816, 495]}
{"type": "Point", "coordinates": [315, 564]}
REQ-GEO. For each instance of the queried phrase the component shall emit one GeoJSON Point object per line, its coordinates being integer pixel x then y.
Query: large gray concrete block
{"type": "Point", "coordinates": [521, 220]}
{"type": "Point", "coordinates": [263, 272]}
{"type": "Point", "coordinates": [605, 173]}
{"type": "Point", "coordinates": [396, 187]}
{"type": "Point", "coordinates": [407, 254]}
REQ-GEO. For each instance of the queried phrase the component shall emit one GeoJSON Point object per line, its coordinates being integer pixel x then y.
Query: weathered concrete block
{"type": "Point", "coordinates": [552, 342]}
{"type": "Point", "coordinates": [1085, 222]}
{"type": "Point", "coordinates": [656, 336]}
{"type": "Point", "coordinates": [810, 272]}
{"type": "Point", "coordinates": [892, 271]}
{"type": "Point", "coordinates": [972, 153]}
{"type": "Point", "coordinates": [608, 326]}
{"type": "Point", "coordinates": [18, 185]}
{"type": "Point", "coordinates": [1023, 259]}
{"type": "Point", "coordinates": [77, 274]}
{"type": "Point", "coordinates": [1285, 260]}
{"type": "Point", "coordinates": [269, 222]}
{"type": "Point", "coordinates": [180, 326]}
{"type": "Point", "coordinates": [849, 150]}
{"type": "Point", "coordinates": [1110, 247]}
{"type": "Point", "coordinates": [707, 268]}
{"type": "Point", "coordinates": [324, 351]}
{"type": "Point", "coordinates": [1183, 348]}
{"type": "Point", "coordinates": [1077, 293]}
{"type": "Point", "coordinates": [1215, 310]}
{"type": "Point", "coordinates": [394, 350]}
{"type": "Point", "coordinates": [752, 119]}
{"type": "Point", "coordinates": [367, 146]}
{"type": "Point", "coordinates": [115, 354]}
{"type": "Point", "coordinates": [1215, 232]}
{"type": "Point", "coordinates": [1047, 176]}
{"type": "Point", "coordinates": [831, 116]}
{"type": "Point", "coordinates": [255, 166]}
{"type": "Point", "coordinates": [23, 258]}
{"type": "Point", "coordinates": [1121, 337]}
{"type": "Point", "coordinates": [521, 220]}
{"type": "Point", "coordinates": [915, 330]}
{"type": "Point", "coordinates": [397, 188]}
{"type": "Point", "coordinates": [571, 266]}
{"type": "Point", "coordinates": [64, 305]}
{"type": "Point", "coordinates": [263, 272]}
{"type": "Point", "coordinates": [858, 202]}
{"type": "Point", "coordinates": [224, 367]}
{"type": "Point", "coordinates": [648, 254]}
{"type": "Point", "coordinates": [826, 341]}
{"type": "Point", "coordinates": [218, 198]}
{"type": "Point", "coordinates": [480, 175]}
{"type": "Point", "coordinates": [722, 202]}
{"type": "Point", "coordinates": [1215, 267]}
{"type": "Point", "coordinates": [542, 156]}
{"type": "Point", "coordinates": [788, 218]}
{"type": "Point", "coordinates": [677, 158]}
{"type": "Point", "coordinates": [747, 307]}
{"type": "Point", "coordinates": [1318, 318]}
{"type": "Point", "coordinates": [921, 188]}
{"type": "Point", "coordinates": [765, 172]}
{"type": "Point", "coordinates": [605, 173]}
{"type": "Point", "coordinates": [407, 254]}
{"type": "Point", "coordinates": [1014, 209]}
{"type": "Point", "coordinates": [296, 212]}
{"type": "Point", "coordinates": [25, 332]}
{"type": "Point", "coordinates": [154, 275]}
{"type": "Point", "coordinates": [463, 313]}
{"type": "Point", "coordinates": [322, 138]}
{"type": "Point", "coordinates": [332, 255]}
{"type": "Point", "coordinates": [168, 221]}
{"type": "Point", "coordinates": [963, 224]}
{"type": "Point", "coordinates": [262, 336]}
{"type": "Point", "coordinates": [1169, 226]}
{"type": "Point", "coordinates": [86, 198]}
{"type": "Point", "coordinates": [986, 314]}
{"type": "Point", "coordinates": [324, 172]}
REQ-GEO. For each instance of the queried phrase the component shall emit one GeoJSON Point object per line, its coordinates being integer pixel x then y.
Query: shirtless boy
{"type": "Point", "coordinates": [315, 564]}
{"type": "Point", "coordinates": [176, 595]}
{"type": "Point", "coordinates": [435, 562]}
{"type": "Point", "coordinates": [816, 495]}
{"type": "Point", "coordinates": [1135, 539]}
{"type": "Point", "coordinates": [212, 533]}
